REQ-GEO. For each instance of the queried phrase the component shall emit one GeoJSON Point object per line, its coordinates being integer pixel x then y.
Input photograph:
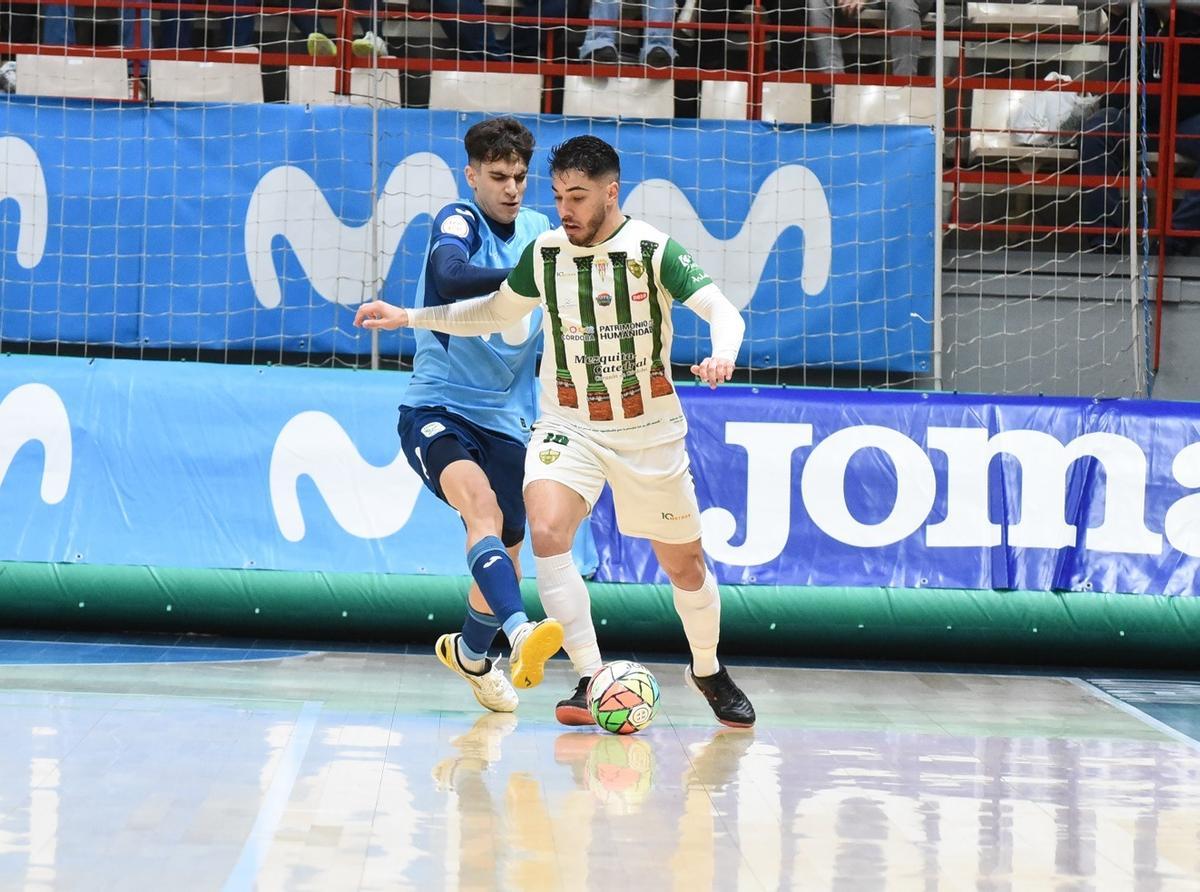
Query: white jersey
{"type": "Point", "coordinates": [606, 369]}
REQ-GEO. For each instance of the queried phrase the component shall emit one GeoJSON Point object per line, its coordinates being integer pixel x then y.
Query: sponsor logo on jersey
{"type": "Point", "coordinates": [636, 269]}
{"type": "Point", "coordinates": [604, 298]}
{"type": "Point", "coordinates": [685, 260]}
{"type": "Point", "coordinates": [667, 515]}
{"type": "Point", "coordinates": [549, 456]}
{"type": "Point", "coordinates": [639, 295]}
{"type": "Point", "coordinates": [434, 427]}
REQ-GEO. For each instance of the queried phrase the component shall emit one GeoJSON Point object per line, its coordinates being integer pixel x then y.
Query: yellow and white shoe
{"type": "Point", "coordinates": [533, 647]}
{"type": "Point", "coordinates": [320, 45]}
{"type": "Point", "coordinates": [490, 687]}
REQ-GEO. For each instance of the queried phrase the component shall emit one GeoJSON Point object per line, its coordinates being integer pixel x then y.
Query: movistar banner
{"type": "Point", "coordinates": [931, 490]}
{"type": "Point", "coordinates": [185, 465]}
{"type": "Point", "coordinates": [263, 226]}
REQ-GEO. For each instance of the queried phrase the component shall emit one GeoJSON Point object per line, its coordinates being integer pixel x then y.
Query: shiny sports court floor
{"type": "Point", "coordinates": [152, 766]}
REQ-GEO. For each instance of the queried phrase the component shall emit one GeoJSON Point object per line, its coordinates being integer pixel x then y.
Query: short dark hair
{"type": "Point", "coordinates": [498, 139]}
{"type": "Point", "coordinates": [589, 155]}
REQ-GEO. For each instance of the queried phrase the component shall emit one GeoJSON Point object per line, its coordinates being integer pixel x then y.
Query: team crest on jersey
{"type": "Point", "coordinates": [549, 456]}
{"type": "Point", "coordinates": [604, 298]}
{"type": "Point", "coordinates": [636, 269]}
{"type": "Point", "coordinates": [602, 267]}
{"type": "Point", "coordinates": [639, 295]}
{"type": "Point", "coordinates": [456, 226]}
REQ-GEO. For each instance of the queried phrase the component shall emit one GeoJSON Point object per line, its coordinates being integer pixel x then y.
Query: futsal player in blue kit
{"type": "Point", "coordinates": [466, 416]}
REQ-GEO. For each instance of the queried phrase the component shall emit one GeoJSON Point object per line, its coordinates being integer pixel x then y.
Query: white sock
{"type": "Point", "coordinates": [565, 597]}
{"type": "Point", "coordinates": [700, 612]}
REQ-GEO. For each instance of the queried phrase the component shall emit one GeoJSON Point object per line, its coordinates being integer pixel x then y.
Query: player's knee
{"type": "Point", "coordinates": [686, 572]}
{"type": "Point", "coordinates": [549, 536]}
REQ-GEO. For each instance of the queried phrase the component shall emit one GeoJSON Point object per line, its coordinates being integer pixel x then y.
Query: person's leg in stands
{"type": "Point", "coordinates": [1102, 147]}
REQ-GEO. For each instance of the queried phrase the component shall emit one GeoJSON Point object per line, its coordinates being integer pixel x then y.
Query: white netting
{"type": "Point", "coordinates": [246, 227]}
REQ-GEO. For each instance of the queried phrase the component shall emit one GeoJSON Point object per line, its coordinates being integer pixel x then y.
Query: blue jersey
{"type": "Point", "coordinates": [490, 379]}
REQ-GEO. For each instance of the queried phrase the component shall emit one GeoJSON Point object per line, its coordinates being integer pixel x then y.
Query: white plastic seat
{"type": "Point", "coordinates": [723, 100]}
{"type": "Point", "coordinates": [314, 85]}
{"type": "Point", "coordinates": [72, 77]}
{"type": "Point", "coordinates": [991, 136]}
{"type": "Point", "coordinates": [865, 104]}
{"type": "Point", "coordinates": [1043, 15]}
{"type": "Point", "coordinates": [619, 97]}
{"type": "Point", "coordinates": [172, 81]}
{"type": "Point", "coordinates": [785, 103]}
{"type": "Point", "coordinates": [480, 91]}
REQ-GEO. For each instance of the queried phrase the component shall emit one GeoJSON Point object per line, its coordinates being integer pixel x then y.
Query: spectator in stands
{"type": "Point", "coordinates": [175, 30]}
{"type": "Point", "coordinates": [900, 15]}
{"type": "Point", "coordinates": [1104, 143]}
{"type": "Point", "coordinates": [600, 42]}
{"type": "Point", "coordinates": [479, 40]}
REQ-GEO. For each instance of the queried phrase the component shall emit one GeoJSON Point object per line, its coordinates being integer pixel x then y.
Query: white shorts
{"type": "Point", "coordinates": [653, 493]}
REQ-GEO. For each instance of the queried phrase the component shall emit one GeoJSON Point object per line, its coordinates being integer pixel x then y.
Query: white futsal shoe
{"type": "Point", "coordinates": [490, 687]}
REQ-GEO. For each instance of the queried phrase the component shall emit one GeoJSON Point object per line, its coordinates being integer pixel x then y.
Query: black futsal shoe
{"type": "Point", "coordinates": [728, 703]}
{"type": "Point", "coordinates": [575, 710]}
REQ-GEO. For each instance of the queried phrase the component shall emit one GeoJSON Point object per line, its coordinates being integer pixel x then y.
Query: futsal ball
{"type": "Point", "coordinates": [623, 697]}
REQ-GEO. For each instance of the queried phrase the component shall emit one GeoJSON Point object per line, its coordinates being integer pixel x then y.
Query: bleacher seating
{"type": "Point", "coordinates": [314, 85]}
{"type": "Point", "coordinates": [619, 97]}
{"type": "Point", "coordinates": [868, 104]}
{"type": "Point", "coordinates": [72, 76]}
{"type": "Point", "coordinates": [172, 81]}
{"type": "Point", "coordinates": [484, 91]}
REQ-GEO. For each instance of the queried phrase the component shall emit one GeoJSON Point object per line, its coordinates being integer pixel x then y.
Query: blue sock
{"type": "Point", "coordinates": [497, 578]}
{"type": "Point", "coordinates": [478, 632]}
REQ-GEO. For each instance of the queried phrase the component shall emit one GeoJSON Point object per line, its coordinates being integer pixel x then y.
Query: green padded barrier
{"type": "Point", "coordinates": [863, 623]}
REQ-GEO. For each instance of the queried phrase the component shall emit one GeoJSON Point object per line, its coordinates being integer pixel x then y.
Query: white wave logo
{"type": "Point", "coordinates": [35, 412]}
{"type": "Point", "coordinates": [337, 259]}
{"type": "Point", "coordinates": [366, 501]}
{"type": "Point", "coordinates": [22, 180]}
{"type": "Point", "coordinates": [791, 196]}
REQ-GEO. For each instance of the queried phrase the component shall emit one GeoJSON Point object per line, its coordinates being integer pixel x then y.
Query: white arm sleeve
{"type": "Point", "coordinates": [725, 325]}
{"type": "Point", "coordinates": [477, 316]}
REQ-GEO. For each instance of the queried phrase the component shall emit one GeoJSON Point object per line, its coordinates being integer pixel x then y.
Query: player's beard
{"type": "Point", "coordinates": [590, 229]}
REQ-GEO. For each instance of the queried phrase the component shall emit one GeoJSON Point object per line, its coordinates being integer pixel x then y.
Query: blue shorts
{"type": "Point", "coordinates": [433, 437]}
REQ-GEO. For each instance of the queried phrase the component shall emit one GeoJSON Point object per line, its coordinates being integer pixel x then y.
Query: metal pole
{"type": "Point", "coordinates": [376, 202]}
{"type": "Point", "coordinates": [1135, 302]}
{"type": "Point", "coordinates": [939, 144]}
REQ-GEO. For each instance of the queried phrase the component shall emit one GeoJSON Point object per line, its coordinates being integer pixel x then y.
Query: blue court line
{"type": "Point", "coordinates": [41, 653]}
{"type": "Point", "coordinates": [244, 875]}
{"type": "Point", "coordinates": [1139, 714]}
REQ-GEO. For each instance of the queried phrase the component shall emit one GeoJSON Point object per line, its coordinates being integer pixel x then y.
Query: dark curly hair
{"type": "Point", "coordinates": [589, 155]}
{"type": "Point", "coordinates": [498, 139]}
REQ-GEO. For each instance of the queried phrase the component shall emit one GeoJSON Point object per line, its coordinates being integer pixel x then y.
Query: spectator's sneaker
{"type": "Point", "coordinates": [490, 687]}
{"type": "Point", "coordinates": [604, 55]}
{"type": "Point", "coordinates": [575, 710]}
{"type": "Point", "coordinates": [658, 58]}
{"type": "Point", "coordinates": [532, 648]}
{"type": "Point", "coordinates": [728, 703]}
{"type": "Point", "coordinates": [320, 45]}
{"type": "Point", "coordinates": [370, 44]}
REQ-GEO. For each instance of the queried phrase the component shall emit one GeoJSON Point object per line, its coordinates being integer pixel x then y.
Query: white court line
{"type": "Point", "coordinates": [245, 873]}
{"type": "Point", "coordinates": [1128, 709]}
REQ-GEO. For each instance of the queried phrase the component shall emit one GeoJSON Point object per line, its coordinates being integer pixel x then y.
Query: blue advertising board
{"type": "Point", "coordinates": [186, 465]}
{"type": "Point", "coordinates": [263, 226]}
{"type": "Point", "coordinates": [920, 490]}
